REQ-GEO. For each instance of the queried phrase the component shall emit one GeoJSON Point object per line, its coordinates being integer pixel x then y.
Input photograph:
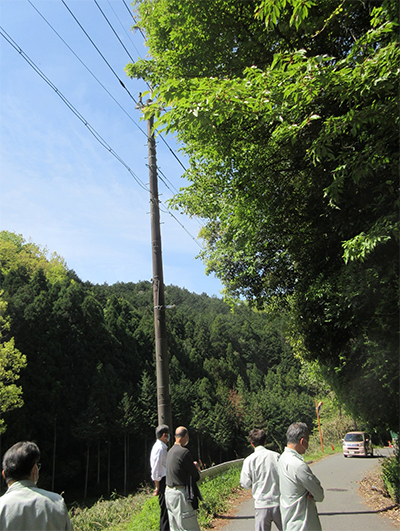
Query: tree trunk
{"type": "Point", "coordinates": [87, 472]}
{"type": "Point", "coordinates": [109, 468]}
{"type": "Point", "coordinates": [53, 477]}
{"type": "Point", "coordinates": [98, 463]}
{"type": "Point", "coordinates": [125, 463]}
{"type": "Point", "coordinates": [198, 448]}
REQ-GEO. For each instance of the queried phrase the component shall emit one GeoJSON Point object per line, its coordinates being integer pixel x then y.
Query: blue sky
{"type": "Point", "coordinates": [59, 187]}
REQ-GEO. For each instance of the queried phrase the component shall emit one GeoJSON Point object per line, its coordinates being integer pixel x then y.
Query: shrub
{"type": "Point", "coordinates": [391, 475]}
{"type": "Point", "coordinates": [141, 511]}
{"type": "Point", "coordinates": [216, 493]}
{"type": "Point", "coordinates": [148, 518]}
{"type": "Point", "coordinates": [107, 514]}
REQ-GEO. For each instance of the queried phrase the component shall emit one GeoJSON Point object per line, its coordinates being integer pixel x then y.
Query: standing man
{"type": "Point", "coordinates": [158, 463]}
{"type": "Point", "coordinates": [300, 489]}
{"type": "Point", "coordinates": [260, 473]}
{"type": "Point", "coordinates": [25, 507]}
{"type": "Point", "coordinates": [182, 475]}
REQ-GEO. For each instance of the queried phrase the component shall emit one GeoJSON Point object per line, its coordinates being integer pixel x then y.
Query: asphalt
{"type": "Point", "coordinates": [343, 508]}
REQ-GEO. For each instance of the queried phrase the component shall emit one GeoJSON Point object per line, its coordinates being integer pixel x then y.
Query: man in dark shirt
{"type": "Point", "coordinates": [182, 472]}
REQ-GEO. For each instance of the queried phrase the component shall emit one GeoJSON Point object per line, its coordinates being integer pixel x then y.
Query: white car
{"type": "Point", "coordinates": [357, 443]}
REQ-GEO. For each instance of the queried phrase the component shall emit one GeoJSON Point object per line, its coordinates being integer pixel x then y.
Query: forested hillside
{"type": "Point", "coordinates": [89, 384]}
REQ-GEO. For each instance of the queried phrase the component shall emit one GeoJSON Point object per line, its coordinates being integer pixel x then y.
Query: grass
{"type": "Point", "coordinates": [314, 454]}
{"type": "Point", "coordinates": [141, 512]}
{"type": "Point", "coordinates": [215, 491]}
{"type": "Point", "coordinates": [113, 515]}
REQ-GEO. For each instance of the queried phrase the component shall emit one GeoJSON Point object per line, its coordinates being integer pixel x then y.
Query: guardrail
{"type": "Point", "coordinates": [217, 469]}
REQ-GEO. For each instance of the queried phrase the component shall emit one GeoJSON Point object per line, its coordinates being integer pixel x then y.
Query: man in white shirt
{"type": "Point", "coordinates": [300, 489]}
{"type": "Point", "coordinates": [260, 473]}
{"type": "Point", "coordinates": [158, 463]}
{"type": "Point", "coordinates": [25, 507]}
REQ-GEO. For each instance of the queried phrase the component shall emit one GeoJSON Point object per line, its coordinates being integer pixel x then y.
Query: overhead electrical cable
{"type": "Point", "coordinates": [115, 33]}
{"type": "Point", "coordinates": [143, 35]}
{"type": "Point", "coordinates": [104, 88]}
{"type": "Point", "coordinates": [113, 71]}
{"type": "Point", "coordinates": [87, 68]}
{"type": "Point", "coordinates": [123, 27]}
{"type": "Point", "coordinates": [95, 134]}
{"type": "Point", "coordinates": [99, 52]}
{"type": "Point", "coordinates": [134, 20]}
{"type": "Point", "coordinates": [174, 154]}
{"type": "Point", "coordinates": [183, 227]}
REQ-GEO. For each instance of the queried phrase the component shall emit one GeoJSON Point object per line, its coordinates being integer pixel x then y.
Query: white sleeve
{"type": "Point", "coordinates": [310, 482]}
{"type": "Point", "coordinates": [156, 464]}
{"type": "Point", "coordinates": [245, 475]}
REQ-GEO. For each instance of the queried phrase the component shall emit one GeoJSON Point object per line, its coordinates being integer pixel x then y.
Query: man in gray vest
{"type": "Point", "coordinates": [24, 506]}
{"type": "Point", "coordinates": [260, 474]}
{"type": "Point", "coordinates": [300, 489]}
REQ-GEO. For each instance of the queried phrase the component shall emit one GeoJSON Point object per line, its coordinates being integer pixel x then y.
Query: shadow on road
{"type": "Point", "coordinates": [377, 511]}
{"type": "Point", "coordinates": [225, 517]}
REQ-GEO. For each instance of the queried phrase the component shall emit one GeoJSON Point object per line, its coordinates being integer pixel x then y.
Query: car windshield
{"type": "Point", "coordinates": [354, 437]}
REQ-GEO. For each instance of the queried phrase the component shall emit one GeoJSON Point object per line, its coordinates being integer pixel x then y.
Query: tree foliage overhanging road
{"type": "Point", "coordinates": [288, 111]}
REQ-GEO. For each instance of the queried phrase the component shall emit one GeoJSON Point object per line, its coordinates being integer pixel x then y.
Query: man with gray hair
{"type": "Point", "coordinates": [158, 463]}
{"type": "Point", "coordinates": [25, 507]}
{"type": "Point", "coordinates": [299, 488]}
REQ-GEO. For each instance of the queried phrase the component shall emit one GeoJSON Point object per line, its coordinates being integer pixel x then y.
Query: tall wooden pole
{"type": "Point", "coordinates": [317, 407]}
{"type": "Point", "coordinates": [160, 329]}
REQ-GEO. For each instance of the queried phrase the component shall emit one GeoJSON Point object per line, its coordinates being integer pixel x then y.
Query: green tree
{"type": "Point", "coordinates": [290, 121]}
{"type": "Point", "coordinates": [11, 363]}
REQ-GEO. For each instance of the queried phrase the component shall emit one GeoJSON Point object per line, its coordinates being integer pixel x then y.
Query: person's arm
{"type": "Point", "coordinates": [245, 475]}
{"type": "Point", "coordinates": [310, 482]}
{"type": "Point", "coordinates": [156, 470]}
{"type": "Point", "coordinates": [191, 467]}
{"type": "Point", "coordinates": [68, 523]}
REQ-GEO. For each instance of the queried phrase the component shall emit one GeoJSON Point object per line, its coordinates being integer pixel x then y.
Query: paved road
{"type": "Point", "coordinates": [342, 508]}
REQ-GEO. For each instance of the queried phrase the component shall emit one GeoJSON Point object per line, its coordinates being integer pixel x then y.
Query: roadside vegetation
{"type": "Point", "coordinates": [391, 475]}
{"type": "Point", "coordinates": [140, 512]}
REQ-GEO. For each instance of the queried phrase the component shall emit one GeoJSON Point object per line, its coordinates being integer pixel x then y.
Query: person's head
{"type": "Point", "coordinates": [181, 436]}
{"type": "Point", "coordinates": [297, 437]}
{"type": "Point", "coordinates": [257, 437]}
{"type": "Point", "coordinates": [162, 433]}
{"type": "Point", "coordinates": [21, 461]}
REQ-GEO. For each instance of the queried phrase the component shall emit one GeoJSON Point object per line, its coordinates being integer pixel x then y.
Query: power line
{"type": "Point", "coordinates": [95, 134]}
{"type": "Point", "coordinates": [181, 224]}
{"type": "Point", "coordinates": [174, 154]}
{"type": "Point", "coordinates": [135, 21]}
{"type": "Point", "coordinates": [144, 36]}
{"type": "Point", "coordinates": [115, 33]}
{"type": "Point", "coordinates": [99, 52]}
{"type": "Point", "coordinates": [113, 71]}
{"type": "Point", "coordinates": [106, 90]}
{"type": "Point", "coordinates": [123, 27]}
{"type": "Point", "coordinates": [87, 68]}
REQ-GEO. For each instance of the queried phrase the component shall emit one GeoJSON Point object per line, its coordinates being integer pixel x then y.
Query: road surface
{"type": "Point", "coordinates": [343, 508]}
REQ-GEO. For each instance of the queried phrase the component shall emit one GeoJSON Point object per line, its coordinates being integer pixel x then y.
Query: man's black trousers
{"type": "Point", "coordinates": [164, 522]}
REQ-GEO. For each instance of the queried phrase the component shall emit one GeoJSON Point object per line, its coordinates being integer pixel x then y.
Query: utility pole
{"type": "Point", "coordinates": [318, 409]}
{"type": "Point", "coordinates": [160, 329]}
